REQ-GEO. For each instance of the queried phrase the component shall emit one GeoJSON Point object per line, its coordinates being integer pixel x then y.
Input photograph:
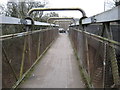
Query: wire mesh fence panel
{"type": "Point", "coordinates": [101, 58]}
{"type": "Point", "coordinates": [20, 53]}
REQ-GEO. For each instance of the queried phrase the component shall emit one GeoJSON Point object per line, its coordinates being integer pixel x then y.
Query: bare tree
{"type": "Point", "coordinates": [20, 9]}
{"type": "Point", "coordinates": [12, 9]}
{"type": "Point", "coordinates": [117, 2]}
{"type": "Point", "coordinates": [47, 15]}
{"type": "Point", "coordinates": [2, 9]}
{"type": "Point", "coordinates": [108, 4]}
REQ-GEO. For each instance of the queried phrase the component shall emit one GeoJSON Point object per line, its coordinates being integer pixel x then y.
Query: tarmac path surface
{"type": "Point", "coordinates": [58, 68]}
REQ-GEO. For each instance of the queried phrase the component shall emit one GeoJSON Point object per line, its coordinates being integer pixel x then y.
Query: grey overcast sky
{"type": "Point", "coordinates": [91, 7]}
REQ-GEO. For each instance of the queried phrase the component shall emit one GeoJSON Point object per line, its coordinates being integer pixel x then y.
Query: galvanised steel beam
{"type": "Point", "coordinates": [62, 21]}
{"type": "Point", "coordinates": [10, 20]}
{"type": "Point", "coordinates": [17, 21]}
{"type": "Point", "coordinates": [107, 16]}
{"type": "Point", "coordinates": [61, 18]}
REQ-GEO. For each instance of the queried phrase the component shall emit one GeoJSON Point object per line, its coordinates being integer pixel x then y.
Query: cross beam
{"type": "Point", "coordinates": [57, 9]}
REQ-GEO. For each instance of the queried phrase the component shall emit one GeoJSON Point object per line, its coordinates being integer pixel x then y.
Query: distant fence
{"type": "Point", "coordinates": [98, 48]}
{"type": "Point", "coordinates": [21, 51]}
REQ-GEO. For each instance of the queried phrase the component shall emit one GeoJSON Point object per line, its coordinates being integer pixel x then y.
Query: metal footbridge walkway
{"type": "Point", "coordinates": [58, 68]}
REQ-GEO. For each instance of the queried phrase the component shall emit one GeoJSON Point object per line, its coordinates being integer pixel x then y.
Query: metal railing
{"type": "Point", "coordinates": [21, 51]}
{"type": "Point", "coordinates": [98, 49]}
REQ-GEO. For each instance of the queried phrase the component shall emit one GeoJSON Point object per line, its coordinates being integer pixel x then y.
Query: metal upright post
{"type": "Point", "coordinates": [112, 56]}
{"type": "Point", "coordinates": [29, 29]}
{"type": "Point", "coordinates": [85, 45]}
{"type": "Point", "coordinates": [86, 50]}
{"type": "Point", "coordinates": [38, 50]}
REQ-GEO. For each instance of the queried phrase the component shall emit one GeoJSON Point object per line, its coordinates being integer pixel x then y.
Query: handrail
{"type": "Point", "coordinates": [107, 16]}
{"type": "Point", "coordinates": [17, 21]}
{"type": "Point", "coordinates": [9, 36]}
{"type": "Point", "coordinates": [99, 38]}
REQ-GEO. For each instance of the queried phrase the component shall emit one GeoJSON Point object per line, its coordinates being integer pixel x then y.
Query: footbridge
{"type": "Point", "coordinates": [86, 56]}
